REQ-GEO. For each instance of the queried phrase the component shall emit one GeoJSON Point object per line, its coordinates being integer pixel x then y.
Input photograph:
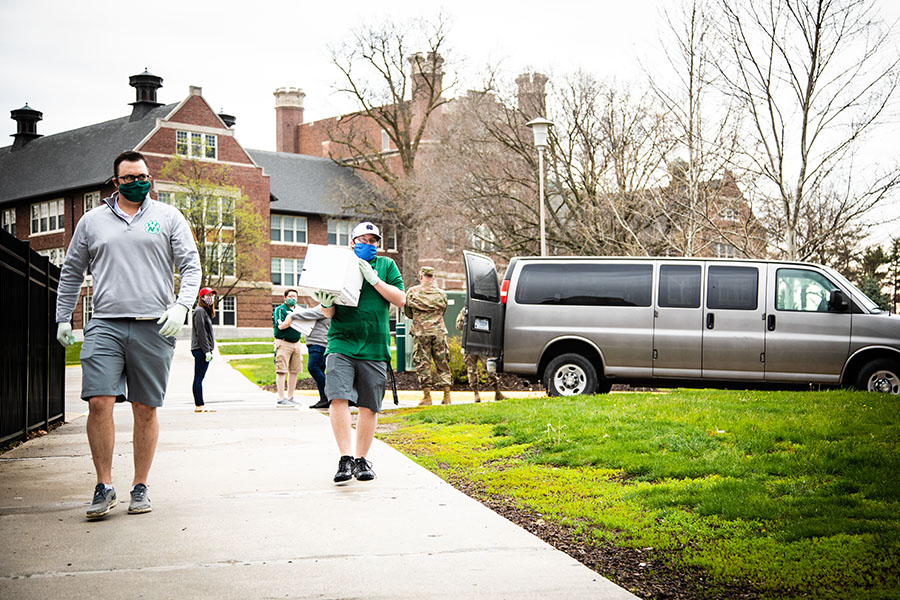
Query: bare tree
{"type": "Point", "coordinates": [815, 78]}
{"type": "Point", "coordinates": [229, 231]}
{"type": "Point", "coordinates": [394, 73]}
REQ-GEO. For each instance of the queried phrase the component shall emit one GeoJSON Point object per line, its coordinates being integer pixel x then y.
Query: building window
{"type": "Point", "coordinates": [482, 239]}
{"type": "Point", "coordinates": [220, 259]}
{"type": "Point", "coordinates": [730, 214]}
{"type": "Point", "coordinates": [339, 232]}
{"type": "Point", "coordinates": [389, 238]}
{"type": "Point", "coordinates": [226, 313]}
{"type": "Point", "coordinates": [87, 307]}
{"type": "Point", "coordinates": [385, 141]}
{"type": "Point", "coordinates": [286, 271]}
{"type": "Point", "coordinates": [56, 255]}
{"type": "Point", "coordinates": [47, 217]}
{"type": "Point", "coordinates": [190, 144]}
{"type": "Point", "coordinates": [287, 229]}
{"type": "Point", "coordinates": [723, 250]}
{"type": "Point", "coordinates": [9, 220]}
{"type": "Point", "coordinates": [91, 200]}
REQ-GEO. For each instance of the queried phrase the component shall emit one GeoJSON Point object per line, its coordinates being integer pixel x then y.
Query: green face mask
{"type": "Point", "coordinates": [136, 191]}
{"type": "Point", "coordinates": [290, 302]}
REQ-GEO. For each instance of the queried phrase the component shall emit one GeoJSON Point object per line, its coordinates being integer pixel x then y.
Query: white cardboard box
{"type": "Point", "coordinates": [304, 326]}
{"type": "Point", "coordinates": [332, 269]}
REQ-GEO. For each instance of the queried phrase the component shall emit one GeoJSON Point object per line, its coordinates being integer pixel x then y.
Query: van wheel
{"type": "Point", "coordinates": [882, 375]}
{"type": "Point", "coordinates": [570, 375]}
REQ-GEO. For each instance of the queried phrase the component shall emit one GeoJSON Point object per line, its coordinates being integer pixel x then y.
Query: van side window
{"type": "Point", "coordinates": [802, 290]}
{"type": "Point", "coordinates": [585, 285]}
{"type": "Point", "coordinates": [679, 286]}
{"type": "Point", "coordinates": [732, 288]}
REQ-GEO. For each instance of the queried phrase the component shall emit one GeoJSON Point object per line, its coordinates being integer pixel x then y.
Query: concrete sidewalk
{"type": "Point", "coordinates": [244, 507]}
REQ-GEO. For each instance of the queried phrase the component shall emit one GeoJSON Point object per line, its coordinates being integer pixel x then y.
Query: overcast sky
{"type": "Point", "coordinates": [71, 60]}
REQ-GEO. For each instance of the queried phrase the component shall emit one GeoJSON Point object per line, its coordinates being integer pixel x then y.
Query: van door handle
{"type": "Point", "coordinates": [710, 321]}
{"type": "Point", "coordinates": [770, 323]}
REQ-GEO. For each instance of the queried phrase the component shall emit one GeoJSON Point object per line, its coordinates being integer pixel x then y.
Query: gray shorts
{"type": "Point", "coordinates": [362, 382]}
{"type": "Point", "coordinates": [120, 353]}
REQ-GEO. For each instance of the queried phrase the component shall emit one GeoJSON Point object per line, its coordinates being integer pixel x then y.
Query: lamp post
{"type": "Point", "coordinates": [541, 129]}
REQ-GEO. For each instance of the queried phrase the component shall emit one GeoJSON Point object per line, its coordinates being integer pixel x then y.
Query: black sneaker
{"type": "Point", "coordinates": [362, 469]}
{"type": "Point", "coordinates": [320, 404]}
{"type": "Point", "coordinates": [345, 469]}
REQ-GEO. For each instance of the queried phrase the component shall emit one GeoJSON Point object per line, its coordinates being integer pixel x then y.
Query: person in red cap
{"type": "Point", "coordinates": [202, 342]}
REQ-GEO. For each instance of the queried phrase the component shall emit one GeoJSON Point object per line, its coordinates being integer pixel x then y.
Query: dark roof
{"type": "Point", "coordinates": [308, 184]}
{"type": "Point", "coordinates": [72, 159]}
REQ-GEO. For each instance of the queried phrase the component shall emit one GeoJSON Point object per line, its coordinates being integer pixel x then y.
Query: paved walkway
{"type": "Point", "coordinates": [244, 507]}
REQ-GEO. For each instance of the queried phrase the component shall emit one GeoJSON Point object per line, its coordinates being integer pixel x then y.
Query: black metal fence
{"type": "Point", "coordinates": [32, 362]}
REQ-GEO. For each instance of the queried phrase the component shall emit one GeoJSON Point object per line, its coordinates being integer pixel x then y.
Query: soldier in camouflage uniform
{"type": "Point", "coordinates": [425, 305]}
{"type": "Point", "coordinates": [472, 361]}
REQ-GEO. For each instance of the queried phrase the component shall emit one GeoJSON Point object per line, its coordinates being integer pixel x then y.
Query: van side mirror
{"type": "Point", "coordinates": [837, 302]}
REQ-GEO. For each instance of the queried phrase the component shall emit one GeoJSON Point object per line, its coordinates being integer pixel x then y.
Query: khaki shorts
{"type": "Point", "coordinates": [288, 357]}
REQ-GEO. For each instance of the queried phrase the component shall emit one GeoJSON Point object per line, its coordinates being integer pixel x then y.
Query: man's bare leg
{"type": "Point", "coordinates": [339, 415]}
{"type": "Point", "coordinates": [101, 432]}
{"type": "Point", "coordinates": [366, 421]}
{"type": "Point", "coordinates": [146, 434]}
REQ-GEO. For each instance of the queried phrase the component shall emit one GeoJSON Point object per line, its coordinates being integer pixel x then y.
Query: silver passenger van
{"type": "Point", "coordinates": [580, 324]}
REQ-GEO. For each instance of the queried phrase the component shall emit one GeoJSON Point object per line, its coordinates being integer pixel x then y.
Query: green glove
{"type": "Point", "coordinates": [325, 299]}
{"type": "Point", "coordinates": [64, 334]}
{"type": "Point", "coordinates": [368, 271]}
{"type": "Point", "coordinates": [208, 356]}
{"type": "Point", "coordinates": [172, 320]}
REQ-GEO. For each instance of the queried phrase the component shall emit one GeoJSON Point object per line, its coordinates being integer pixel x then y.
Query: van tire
{"type": "Point", "coordinates": [570, 375]}
{"type": "Point", "coordinates": [882, 375]}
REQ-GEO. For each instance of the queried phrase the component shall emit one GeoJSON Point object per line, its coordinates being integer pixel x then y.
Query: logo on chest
{"type": "Point", "coordinates": [152, 226]}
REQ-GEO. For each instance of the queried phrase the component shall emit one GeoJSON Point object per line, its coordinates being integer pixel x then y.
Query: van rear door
{"type": "Point", "coordinates": [483, 333]}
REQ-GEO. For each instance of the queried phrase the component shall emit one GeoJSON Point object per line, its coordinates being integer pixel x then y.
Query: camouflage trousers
{"type": "Point", "coordinates": [429, 348]}
{"type": "Point", "coordinates": [472, 361]}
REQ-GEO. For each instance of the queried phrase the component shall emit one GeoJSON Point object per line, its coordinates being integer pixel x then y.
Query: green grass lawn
{"type": "Point", "coordinates": [260, 371]}
{"type": "Point", "coordinates": [247, 340]}
{"type": "Point", "coordinates": [263, 348]}
{"type": "Point", "coordinates": [73, 354]}
{"type": "Point", "coordinates": [793, 494]}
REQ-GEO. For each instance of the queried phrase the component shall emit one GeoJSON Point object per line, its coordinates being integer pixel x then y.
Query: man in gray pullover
{"type": "Point", "coordinates": [130, 244]}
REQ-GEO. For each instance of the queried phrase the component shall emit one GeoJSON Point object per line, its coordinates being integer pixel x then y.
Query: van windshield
{"type": "Point", "coordinates": [860, 297]}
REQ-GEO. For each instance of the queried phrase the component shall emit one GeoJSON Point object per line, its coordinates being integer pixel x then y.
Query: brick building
{"type": "Point", "coordinates": [48, 182]}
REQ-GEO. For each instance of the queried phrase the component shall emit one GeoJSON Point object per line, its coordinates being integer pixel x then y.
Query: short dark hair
{"type": "Point", "coordinates": [286, 292]}
{"type": "Point", "coordinates": [127, 156]}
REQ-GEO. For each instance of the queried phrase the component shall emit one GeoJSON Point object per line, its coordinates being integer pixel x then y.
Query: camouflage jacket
{"type": "Point", "coordinates": [426, 307]}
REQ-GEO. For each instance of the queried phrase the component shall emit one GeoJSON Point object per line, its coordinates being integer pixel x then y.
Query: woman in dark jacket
{"type": "Point", "coordinates": [202, 342]}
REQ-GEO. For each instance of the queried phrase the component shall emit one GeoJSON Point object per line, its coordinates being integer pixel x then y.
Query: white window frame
{"type": "Point", "coordinates": [56, 255]}
{"type": "Point", "coordinates": [195, 145]}
{"type": "Point", "coordinates": [87, 308]}
{"type": "Point", "coordinates": [296, 230]}
{"type": "Point", "coordinates": [482, 239]}
{"type": "Point", "coordinates": [730, 214]}
{"type": "Point", "coordinates": [388, 238]}
{"type": "Point", "coordinates": [724, 250]}
{"type": "Point", "coordinates": [297, 264]}
{"type": "Point", "coordinates": [338, 229]}
{"type": "Point", "coordinates": [91, 200]}
{"type": "Point", "coordinates": [221, 310]}
{"type": "Point", "coordinates": [222, 255]}
{"type": "Point", "coordinates": [9, 220]}
{"type": "Point", "coordinates": [49, 209]}
{"type": "Point", "coordinates": [385, 141]}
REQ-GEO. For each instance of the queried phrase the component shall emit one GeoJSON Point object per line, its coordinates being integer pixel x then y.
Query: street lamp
{"type": "Point", "coordinates": [541, 129]}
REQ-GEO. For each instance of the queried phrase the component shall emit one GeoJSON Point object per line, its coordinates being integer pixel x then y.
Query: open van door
{"type": "Point", "coordinates": [483, 333]}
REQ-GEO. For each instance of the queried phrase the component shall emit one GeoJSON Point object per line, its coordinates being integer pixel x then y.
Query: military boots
{"type": "Point", "coordinates": [446, 399]}
{"type": "Point", "coordinates": [477, 397]}
{"type": "Point", "coordinates": [498, 395]}
{"type": "Point", "coordinates": [426, 397]}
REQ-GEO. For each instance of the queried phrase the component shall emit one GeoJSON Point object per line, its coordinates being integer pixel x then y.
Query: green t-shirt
{"type": "Point", "coordinates": [362, 331]}
{"type": "Point", "coordinates": [288, 333]}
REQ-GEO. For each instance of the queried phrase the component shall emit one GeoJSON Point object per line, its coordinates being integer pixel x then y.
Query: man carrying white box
{"type": "Point", "coordinates": [358, 354]}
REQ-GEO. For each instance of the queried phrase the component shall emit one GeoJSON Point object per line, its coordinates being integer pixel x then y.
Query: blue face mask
{"type": "Point", "coordinates": [365, 251]}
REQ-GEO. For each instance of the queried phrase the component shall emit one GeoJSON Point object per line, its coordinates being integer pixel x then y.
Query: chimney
{"type": "Point", "coordinates": [145, 86]}
{"type": "Point", "coordinates": [426, 73]}
{"type": "Point", "coordinates": [288, 118]}
{"type": "Point", "coordinates": [229, 120]}
{"type": "Point", "coordinates": [26, 130]}
{"type": "Point", "coordinates": [532, 94]}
